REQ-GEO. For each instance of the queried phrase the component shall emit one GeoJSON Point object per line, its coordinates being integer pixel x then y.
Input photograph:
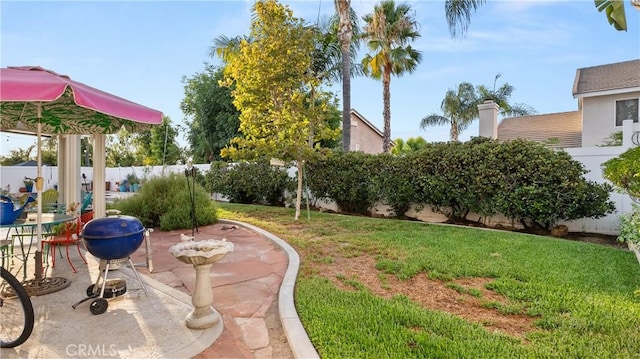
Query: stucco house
{"type": "Point", "coordinates": [607, 96]}
{"type": "Point", "coordinates": [365, 137]}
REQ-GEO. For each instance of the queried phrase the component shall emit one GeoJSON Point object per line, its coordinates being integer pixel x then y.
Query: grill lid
{"type": "Point", "coordinates": [112, 227]}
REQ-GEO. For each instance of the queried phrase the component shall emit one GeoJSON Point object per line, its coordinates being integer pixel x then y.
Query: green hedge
{"type": "Point", "coordinates": [345, 178]}
{"type": "Point", "coordinates": [255, 182]}
{"type": "Point", "coordinates": [523, 180]}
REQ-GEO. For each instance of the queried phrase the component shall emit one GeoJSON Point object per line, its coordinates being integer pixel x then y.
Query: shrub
{"type": "Point", "coordinates": [630, 226]}
{"type": "Point", "coordinates": [540, 186]}
{"type": "Point", "coordinates": [255, 182]}
{"type": "Point", "coordinates": [345, 178]}
{"type": "Point", "coordinates": [522, 180]}
{"type": "Point", "coordinates": [392, 183]}
{"type": "Point", "coordinates": [457, 178]}
{"type": "Point", "coordinates": [166, 202]}
{"type": "Point", "coordinates": [624, 171]}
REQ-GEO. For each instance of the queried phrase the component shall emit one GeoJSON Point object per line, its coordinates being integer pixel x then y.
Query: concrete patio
{"type": "Point", "coordinates": [252, 290]}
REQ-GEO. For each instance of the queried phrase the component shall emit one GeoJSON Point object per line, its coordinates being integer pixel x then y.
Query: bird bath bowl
{"type": "Point", "coordinates": [201, 254]}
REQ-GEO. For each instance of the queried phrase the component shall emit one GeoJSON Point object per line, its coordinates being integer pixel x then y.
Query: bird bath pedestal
{"type": "Point", "coordinates": [202, 255]}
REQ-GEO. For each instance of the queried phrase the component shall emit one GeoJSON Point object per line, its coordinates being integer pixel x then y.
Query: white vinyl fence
{"type": "Point", "coordinates": [11, 179]}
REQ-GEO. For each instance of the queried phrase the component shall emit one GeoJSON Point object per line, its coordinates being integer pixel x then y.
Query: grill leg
{"type": "Point", "coordinates": [133, 268]}
{"type": "Point", "coordinates": [104, 280]}
{"type": "Point", "coordinates": [147, 246]}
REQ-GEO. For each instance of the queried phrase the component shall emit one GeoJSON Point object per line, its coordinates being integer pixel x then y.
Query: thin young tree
{"type": "Point", "coordinates": [388, 31]}
{"type": "Point", "coordinates": [272, 81]}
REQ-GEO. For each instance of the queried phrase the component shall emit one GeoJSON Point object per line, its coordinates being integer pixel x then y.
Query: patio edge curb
{"type": "Point", "coordinates": [297, 337]}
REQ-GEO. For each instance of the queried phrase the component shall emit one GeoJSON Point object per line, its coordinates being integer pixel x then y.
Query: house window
{"type": "Point", "coordinates": [626, 110]}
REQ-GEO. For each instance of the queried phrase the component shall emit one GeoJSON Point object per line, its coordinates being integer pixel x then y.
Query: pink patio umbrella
{"type": "Point", "coordinates": [33, 99]}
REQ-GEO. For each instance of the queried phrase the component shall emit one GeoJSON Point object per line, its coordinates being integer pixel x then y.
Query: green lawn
{"type": "Point", "coordinates": [579, 295]}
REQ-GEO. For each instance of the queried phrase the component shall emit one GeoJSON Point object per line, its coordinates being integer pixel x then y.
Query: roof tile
{"type": "Point", "coordinates": [565, 126]}
{"type": "Point", "coordinates": [616, 76]}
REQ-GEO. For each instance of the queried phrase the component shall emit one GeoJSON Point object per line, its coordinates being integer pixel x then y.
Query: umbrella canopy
{"type": "Point", "coordinates": [67, 106]}
{"type": "Point", "coordinates": [33, 99]}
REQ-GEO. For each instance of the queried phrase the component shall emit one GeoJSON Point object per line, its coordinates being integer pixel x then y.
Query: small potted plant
{"type": "Point", "coordinates": [133, 181]}
{"type": "Point", "coordinates": [28, 184]}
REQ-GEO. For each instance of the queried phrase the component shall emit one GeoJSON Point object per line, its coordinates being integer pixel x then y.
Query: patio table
{"type": "Point", "coordinates": [25, 232]}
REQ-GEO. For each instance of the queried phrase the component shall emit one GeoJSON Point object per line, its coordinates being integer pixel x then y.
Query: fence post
{"type": "Point", "coordinates": [627, 131]}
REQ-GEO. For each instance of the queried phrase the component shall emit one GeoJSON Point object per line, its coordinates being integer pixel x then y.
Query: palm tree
{"type": "Point", "coordinates": [224, 46]}
{"type": "Point", "coordinates": [459, 109]}
{"type": "Point", "coordinates": [411, 145]}
{"type": "Point", "coordinates": [388, 30]}
{"type": "Point", "coordinates": [614, 9]}
{"type": "Point", "coordinates": [501, 98]}
{"type": "Point", "coordinates": [458, 13]}
{"type": "Point", "coordinates": [345, 33]}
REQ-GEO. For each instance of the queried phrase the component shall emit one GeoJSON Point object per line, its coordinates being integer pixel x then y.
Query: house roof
{"type": "Point", "coordinates": [607, 79]}
{"type": "Point", "coordinates": [566, 127]}
{"type": "Point", "coordinates": [366, 122]}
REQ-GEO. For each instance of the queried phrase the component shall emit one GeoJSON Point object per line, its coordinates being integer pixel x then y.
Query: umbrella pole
{"type": "Point", "coordinates": [39, 181]}
{"type": "Point", "coordinates": [40, 285]}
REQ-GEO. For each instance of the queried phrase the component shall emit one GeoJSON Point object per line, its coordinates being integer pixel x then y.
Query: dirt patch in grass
{"type": "Point", "coordinates": [467, 298]}
{"type": "Point", "coordinates": [432, 294]}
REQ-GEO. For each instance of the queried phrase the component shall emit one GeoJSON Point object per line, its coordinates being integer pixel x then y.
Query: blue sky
{"type": "Point", "coordinates": [141, 50]}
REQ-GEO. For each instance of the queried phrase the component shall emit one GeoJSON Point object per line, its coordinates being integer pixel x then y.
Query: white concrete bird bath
{"type": "Point", "coordinates": [201, 254]}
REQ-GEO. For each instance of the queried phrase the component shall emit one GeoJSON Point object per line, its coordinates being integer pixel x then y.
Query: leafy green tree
{"type": "Point", "coordinates": [18, 156]}
{"type": "Point", "coordinates": [326, 56]}
{"type": "Point", "coordinates": [272, 80]}
{"type": "Point", "coordinates": [459, 109]}
{"type": "Point", "coordinates": [226, 47]}
{"type": "Point", "coordinates": [388, 31]}
{"type": "Point", "coordinates": [213, 117]}
{"type": "Point", "coordinates": [49, 151]}
{"type": "Point", "coordinates": [411, 145]}
{"type": "Point", "coordinates": [86, 150]}
{"type": "Point", "coordinates": [325, 61]}
{"type": "Point", "coordinates": [121, 150]}
{"type": "Point", "coordinates": [158, 146]}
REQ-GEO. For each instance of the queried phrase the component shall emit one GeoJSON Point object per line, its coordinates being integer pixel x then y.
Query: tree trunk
{"type": "Point", "coordinates": [346, 99]}
{"type": "Point", "coordinates": [345, 32]}
{"type": "Point", "coordinates": [386, 114]}
{"type": "Point", "coordinates": [454, 131]}
{"type": "Point", "coordinates": [300, 165]}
